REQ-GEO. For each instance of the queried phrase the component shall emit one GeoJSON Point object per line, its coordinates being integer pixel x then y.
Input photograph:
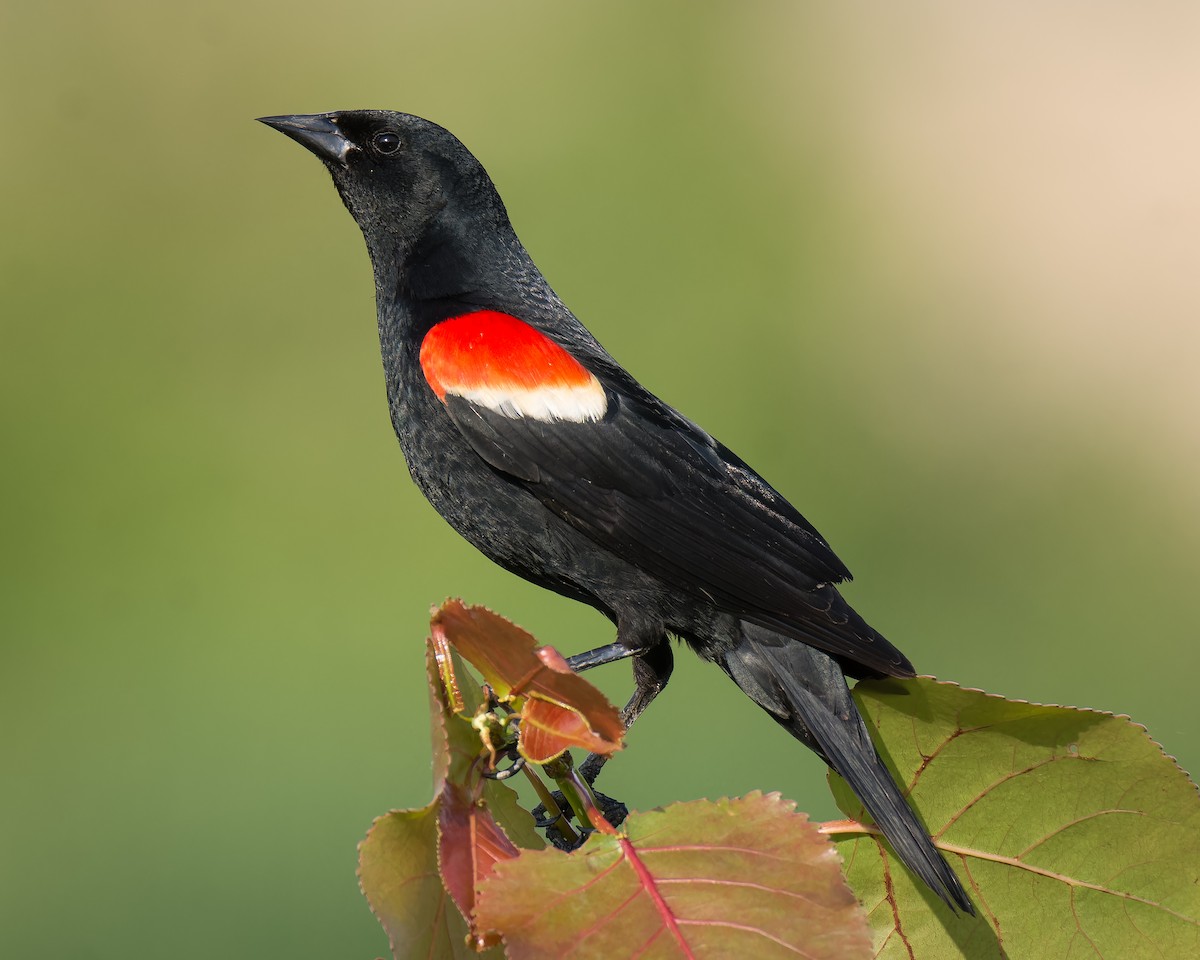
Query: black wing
{"type": "Point", "coordinates": [662, 494]}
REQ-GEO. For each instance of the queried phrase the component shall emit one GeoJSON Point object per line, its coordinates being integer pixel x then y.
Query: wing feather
{"type": "Point", "coordinates": [665, 496]}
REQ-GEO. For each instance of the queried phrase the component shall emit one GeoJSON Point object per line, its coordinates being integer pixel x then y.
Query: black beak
{"type": "Point", "coordinates": [318, 132]}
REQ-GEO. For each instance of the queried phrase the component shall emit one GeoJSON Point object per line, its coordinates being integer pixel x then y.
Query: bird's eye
{"type": "Point", "coordinates": [386, 143]}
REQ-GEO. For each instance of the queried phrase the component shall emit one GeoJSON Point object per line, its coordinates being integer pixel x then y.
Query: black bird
{"type": "Point", "coordinates": [539, 449]}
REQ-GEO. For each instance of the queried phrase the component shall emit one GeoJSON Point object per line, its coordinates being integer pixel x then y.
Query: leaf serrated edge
{"type": "Point", "coordinates": [442, 754]}
{"type": "Point", "coordinates": [1062, 706]}
{"type": "Point", "coordinates": [473, 929]}
{"type": "Point", "coordinates": [358, 870]}
{"type": "Point", "coordinates": [468, 607]}
{"type": "Point", "coordinates": [627, 850]}
{"type": "Point", "coordinates": [495, 823]}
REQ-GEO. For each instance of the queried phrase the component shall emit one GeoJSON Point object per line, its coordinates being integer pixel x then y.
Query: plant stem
{"type": "Point", "coordinates": [559, 820]}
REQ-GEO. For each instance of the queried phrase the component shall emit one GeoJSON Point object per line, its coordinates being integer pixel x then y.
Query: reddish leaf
{"type": "Point", "coordinates": [515, 666]}
{"type": "Point", "coordinates": [736, 878]}
{"type": "Point", "coordinates": [399, 859]}
{"type": "Point", "coordinates": [553, 659]}
{"type": "Point", "coordinates": [456, 744]}
{"type": "Point", "coordinates": [439, 714]}
{"type": "Point", "coordinates": [455, 737]}
{"type": "Point", "coordinates": [469, 845]}
{"type": "Point", "coordinates": [548, 729]}
{"type": "Point", "coordinates": [397, 871]}
{"type": "Point", "coordinates": [448, 673]}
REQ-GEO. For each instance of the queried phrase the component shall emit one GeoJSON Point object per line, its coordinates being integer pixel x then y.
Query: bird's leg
{"type": "Point", "coordinates": [600, 656]}
{"type": "Point", "coordinates": [652, 668]}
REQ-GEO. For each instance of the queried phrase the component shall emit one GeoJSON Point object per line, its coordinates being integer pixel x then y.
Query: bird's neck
{"type": "Point", "coordinates": [449, 270]}
{"type": "Point", "coordinates": [455, 266]}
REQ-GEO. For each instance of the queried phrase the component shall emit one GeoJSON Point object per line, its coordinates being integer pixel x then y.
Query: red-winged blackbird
{"type": "Point", "coordinates": [545, 454]}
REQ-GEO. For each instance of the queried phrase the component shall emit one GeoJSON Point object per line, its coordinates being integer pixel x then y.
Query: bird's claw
{"type": "Point", "coordinates": [515, 767]}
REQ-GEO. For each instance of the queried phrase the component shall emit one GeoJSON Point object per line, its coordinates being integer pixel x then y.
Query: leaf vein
{"type": "Point", "coordinates": [567, 894]}
{"type": "Point", "coordinates": [1075, 822]}
{"type": "Point", "coordinates": [646, 879]}
{"type": "Point", "coordinates": [995, 784]}
{"type": "Point", "coordinates": [743, 883]}
{"type": "Point", "coordinates": [599, 923]}
{"type": "Point", "coordinates": [658, 932]}
{"type": "Point", "coordinates": [1140, 932]}
{"type": "Point", "coordinates": [1079, 927]}
{"type": "Point", "coordinates": [711, 848]}
{"type": "Point", "coordinates": [890, 897]}
{"type": "Point", "coordinates": [747, 928]}
{"type": "Point", "coordinates": [987, 907]}
{"type": "Point", "coordinates": [1073, 882]}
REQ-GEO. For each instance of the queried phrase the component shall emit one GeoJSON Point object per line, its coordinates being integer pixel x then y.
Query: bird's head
{"type": "Point", "coordinates": [399, 175]}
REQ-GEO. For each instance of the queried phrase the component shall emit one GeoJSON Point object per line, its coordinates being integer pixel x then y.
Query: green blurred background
{"type": "Point", "coordinates": [932, 268]}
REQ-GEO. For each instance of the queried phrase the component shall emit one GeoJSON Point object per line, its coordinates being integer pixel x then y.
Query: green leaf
{"type": "Point", "coordinates": [398, 874]}
{"type": "Point", "coordinates": [735, 878]}
{"type": "Point", "coordinates": [512, 818]}
{"type": "Point", "coordinates": [456, 743]}
{"type": "Point", "coordinates": [1073, 832]}
{"type": "Point", "coordinates": [399, 859]}
{"type": "Point", "coordinates": [469, 838]}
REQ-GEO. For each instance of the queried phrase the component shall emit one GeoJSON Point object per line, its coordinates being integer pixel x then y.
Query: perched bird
{"type": "Point", "coordinates": [539, 449]}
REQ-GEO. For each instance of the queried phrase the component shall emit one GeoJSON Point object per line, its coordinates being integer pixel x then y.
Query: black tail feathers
{"type": "Point", "coordinates": [806, 692]}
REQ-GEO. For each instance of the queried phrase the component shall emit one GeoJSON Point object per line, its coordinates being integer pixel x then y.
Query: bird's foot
{"type": "Point", "coordinates": [614, 811]}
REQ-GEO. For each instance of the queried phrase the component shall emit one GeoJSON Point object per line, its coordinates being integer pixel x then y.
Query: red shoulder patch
{"type": "Point", "coordinates": [504, 364]}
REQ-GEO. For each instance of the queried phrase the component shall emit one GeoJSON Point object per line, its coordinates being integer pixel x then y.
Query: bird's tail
{"type": "Point", "coordinates": [806, 692]}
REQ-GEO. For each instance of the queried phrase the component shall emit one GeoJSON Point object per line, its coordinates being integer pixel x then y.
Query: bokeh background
{"type": "Point", "coordinates": [932, 268]}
